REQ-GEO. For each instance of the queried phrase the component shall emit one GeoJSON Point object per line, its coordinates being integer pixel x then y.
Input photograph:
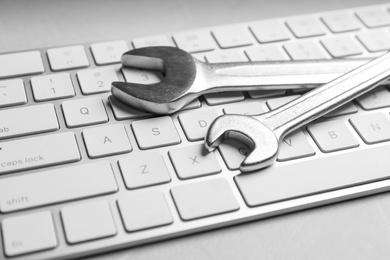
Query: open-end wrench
{"type": "Point", "coordinates": [264, 132]}
{"type": "Point", "coordinates": [186, 78]}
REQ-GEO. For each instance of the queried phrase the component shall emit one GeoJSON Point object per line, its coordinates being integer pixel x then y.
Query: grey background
{"type": "Point", "coordinates": [357, 229]}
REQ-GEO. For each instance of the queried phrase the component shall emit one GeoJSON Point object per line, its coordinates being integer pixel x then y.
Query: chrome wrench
{"type": "Point", "coordinates": [264, 132]}
{"type": "Point", "coordinates": [186, 78]}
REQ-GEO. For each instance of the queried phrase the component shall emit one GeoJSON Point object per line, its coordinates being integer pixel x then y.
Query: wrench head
{"type": "Point", "coordinates": [167, 96]}
{"type": "Point", "coordinates": [261, 140]}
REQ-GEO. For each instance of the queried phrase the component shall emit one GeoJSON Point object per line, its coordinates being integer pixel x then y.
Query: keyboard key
{"type": "Point", "coordinates": [192, 161]}
{"type": "Point", "coordinates": [28, 233]}
{"type": "Point", "coordinates": [270, 31]}
{"type": "Point", "coordinates": [233, 153]}
{"type": "Point", "coordinates": [313, 176]}
{"type": "Point", "coordinates": [340, 22]}
{"type": "Point", "coordinates": [376, 98]}
{"type": "Point", "coordinates": [372, 128]}
{"type": "Point", "coordinates": [346, 109]}
{"type": "Point", "coordinates": [195, 41]}
{"type": "Point", "coordinates": [27, 121]}
{"type": "Point", "coordinates": [12, 93]}
{"type": "Point", "coordinates": [64, 58]}
{"type": "Point", "coordinates": [266, 53]}
{"type": "Point", "coordinates": [155, 132]}
{"type": "Point", "coordinates": [138, 217]}
{"type": "Point", "coordinates": [232, 36]}
{"type": "Point", "coordinates": [122, 111]}
{"type": "Point", "coordinates": [192, 105]}
{"type": "Point", "coordinates": [106, 140]}
{"type": "Point", "coordinates": [214, 99]}
{"type": "Point", "coordinates": [51, 87]}
{"type": "Point", "coordinates": [54, 186]}
{"type": "Point", "coordinates": [196, 123]}
{"type": "Point", "coordinates": [88, 221]}
{"type": "Point", "coordinates": [108, 52]}
{"type": "Point", "coordinates": [48, 150]}
{"type": "Point", "coordinates": [274, 103]}
{"type": "Point", "coordinates": [141, 76]}
{"type": "Point", "coordinates": [86, 111]}
{"type": "Point", "coordinates": [253, 108]}
{"type": "Point", "coordinates": [304, 50]}
{"type": "Point", "coordinates": [11, 65]}
{"type": "Point", "coordinates": [375, 41]}
{"type": "Point", "coordinates": [226, 56]}
{"type": "Point", "coordinates": [332, 136]}
{"type": "Point", "coordinates": [303, 27]}
{"type": "Point", "coordinates": [341, 46]}
{"type": "Point", "coordinates": [143, 170]}
{"type": "Point", "coordinates": [203, 199]}
{"type": "Point", "coordinates": [96, 80]}
{"type": "Point", "coordinates": [266, 93]}
{"type": "Point", "coordinates": [374, 17]}
{"type": "Point", "coordinates": [294, 146]}
{"type": "Point", "coordinates": [161, 40]}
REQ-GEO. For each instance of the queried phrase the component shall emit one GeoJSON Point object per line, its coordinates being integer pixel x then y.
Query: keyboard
{"type": "Point", "coordinates": [82, 174]}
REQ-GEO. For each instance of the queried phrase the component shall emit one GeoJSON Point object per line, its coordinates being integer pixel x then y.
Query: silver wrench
{"type": "Point", "coordinates": [186, 78]}
{"type": "Point", "coordinates": [264, 132]}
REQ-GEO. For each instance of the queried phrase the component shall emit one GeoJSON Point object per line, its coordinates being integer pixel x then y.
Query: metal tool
{"type": "Point", "coordinates": [186, 78]}
{"type": "Point", "coordinates": [264, 132]}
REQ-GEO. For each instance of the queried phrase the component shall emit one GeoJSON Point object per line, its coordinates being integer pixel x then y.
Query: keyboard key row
{"type": "Point", "coordinates": [72, 57]}
{"type": "Point", "coordinates": [94, 220]}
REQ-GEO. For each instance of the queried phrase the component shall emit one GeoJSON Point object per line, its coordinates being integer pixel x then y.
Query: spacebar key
{"type": "Point", "coordinates": [37, 152]}
{"type": "Point", "coordinates": [319, 175]}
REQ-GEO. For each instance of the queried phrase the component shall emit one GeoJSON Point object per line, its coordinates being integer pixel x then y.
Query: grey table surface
{"type": "Point", "coordinates": [356, 229]}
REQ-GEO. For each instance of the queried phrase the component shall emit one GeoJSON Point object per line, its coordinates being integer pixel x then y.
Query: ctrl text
{"type": "Point", "coordinates": [26, 160]}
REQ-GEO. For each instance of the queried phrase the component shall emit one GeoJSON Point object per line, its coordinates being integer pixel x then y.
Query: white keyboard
{"type": "Point", "coordinates": [82, 174]}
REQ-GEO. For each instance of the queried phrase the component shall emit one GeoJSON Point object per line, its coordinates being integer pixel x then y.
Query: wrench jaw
{"type": "Point", "coordinates": [166, 96]}
{"type": "Point", "coordinates": [261, 140]}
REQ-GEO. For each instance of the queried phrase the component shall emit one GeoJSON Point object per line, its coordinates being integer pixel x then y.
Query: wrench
{"type": "Point", "coordinates": [264, 132]}
{"type": "Point", "coordinates": [186, 78]}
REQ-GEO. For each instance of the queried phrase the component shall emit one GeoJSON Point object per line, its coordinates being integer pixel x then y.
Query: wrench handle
{"type": "Point", "coordinates": [276, 74]}
{"type": "Point", "coordinates": [328, 97]}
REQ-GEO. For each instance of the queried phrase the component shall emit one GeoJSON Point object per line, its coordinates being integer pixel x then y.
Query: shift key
{"type": "Point", "coordinates": [30, 153]}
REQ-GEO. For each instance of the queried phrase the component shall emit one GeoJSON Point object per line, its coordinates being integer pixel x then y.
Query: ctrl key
{"type": "Point", "coordinates": [20, 233]}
